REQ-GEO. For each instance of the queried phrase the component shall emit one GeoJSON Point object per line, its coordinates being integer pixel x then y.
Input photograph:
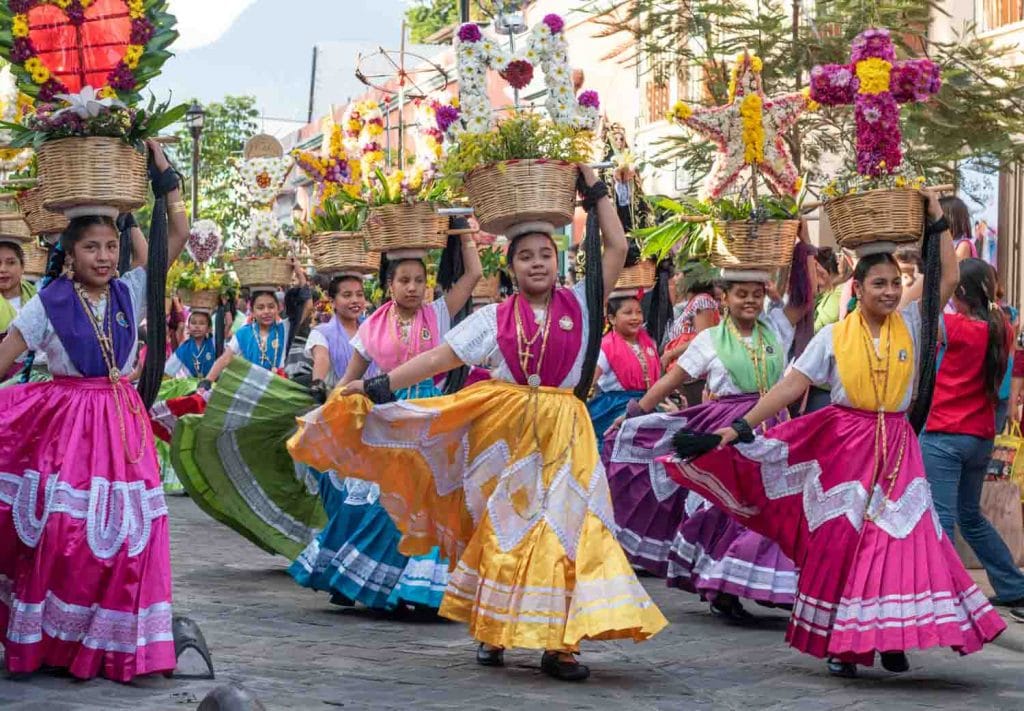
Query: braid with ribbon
{"type": "Point", "coordinates": [54, 267]}
{"type": "Point", "coordinates": [931, 313]}
{"type": "Point", "coordinates": [593, 284]}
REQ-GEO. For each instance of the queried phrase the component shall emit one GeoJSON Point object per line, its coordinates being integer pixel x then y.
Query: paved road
{"type": "Point", "coordinates": [295, 651]}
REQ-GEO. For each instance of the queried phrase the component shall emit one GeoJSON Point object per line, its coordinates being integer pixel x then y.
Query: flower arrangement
{"type": "Point", "coordinates": [264, 177]}
{"type": "Point", "coordinates": [204, 241]}
{"type": "Point", "coordinates": [87, 114]}
{"type": "Point", "coordinates": [334, 168]}
{"type": "Point", "coordinates": [13, 107]}
{"type": "Point", "coordinates": [198, 277]}
{"type": "Point", "coordinates": [884, 180]}
{"type": "Point", "coordinates": [875, 83]}
{"type": "Point", "coordinates": [523, 136]}
{"type": "Point", "coordinates": [264, 238]}
{"type": "Point", "coordinates": [546, 46]}
{"type": "Point", "coordinates": [363, 127]}
{"type": "Point", "coordinates": [134, 52]}
{"type": "Point", "coordinates": [748, 132]}
{"type": "Point", "coordinates": [493, 259]}
{"type": "Point", "coordinates": [337, 213]}
{"type": "Point", "coordinates": [434, 119]}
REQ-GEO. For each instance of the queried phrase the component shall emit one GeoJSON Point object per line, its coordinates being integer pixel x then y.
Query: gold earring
{"type": "Point", "coordinates": [69, 269]}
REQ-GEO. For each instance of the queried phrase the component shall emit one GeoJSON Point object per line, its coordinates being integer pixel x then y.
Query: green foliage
{"type": "Point", "coordinates": [522, 136]}
{"type": "Point", "coordinates": [229, 124]}
{"type": "Point", "coordinates": [338, 213]}
{"type": "Point", "coordinates": [492, 259]}
{"type": "Point", "coordinates": [427, 17]}
{"type": "Point", "coordinates": [979, 113]}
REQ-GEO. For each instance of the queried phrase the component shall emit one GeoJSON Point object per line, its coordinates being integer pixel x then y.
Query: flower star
{"type": "Point", "coordinates": [748, 131]}
{"type": "Point", "coordinates": [88, 104]}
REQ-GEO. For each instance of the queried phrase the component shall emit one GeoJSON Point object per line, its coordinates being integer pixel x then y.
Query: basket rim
{"type": "Point", "coordinates": [517, 161]}
{"type": "Point", "coordinates": [869, 193]}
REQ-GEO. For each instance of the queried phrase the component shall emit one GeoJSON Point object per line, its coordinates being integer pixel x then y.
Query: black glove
{"type": "Point", "coordinates": [378, 389]}
{"type": "Point", "coordinates": [318, 391]}
{"type": "Point", "coordinates": [204, 385]}
{"type": "Point", "coordinates": [590, 193]}
{"type": "Point", "coordinates": [689, 444]}
{"type": "Point", "coordinates": [126, 221]}
{"type": "Point", "coordinates": [164, 181]}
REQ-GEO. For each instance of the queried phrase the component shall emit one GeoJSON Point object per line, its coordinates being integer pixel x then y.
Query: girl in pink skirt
{"type": "Point", "coordinates": [843, 490]}
{"type": "Point", "coordinates": [85, 576]}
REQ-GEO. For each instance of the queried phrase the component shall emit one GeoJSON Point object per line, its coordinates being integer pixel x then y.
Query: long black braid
{"type": "Point", "coordinates": [593, 285]}
{"type": "Point", "coordinates": [449, 271]}
{"type": "Point", "coordinates": [658, 303]}
{"type": "Point", "coordinates": [156, 285]}
{"type": "Point", "coordinates": [125, 223]}
{"type": "Point", "coordinates": [54, 267]}
{"type": "Point", "coordinates": [931, 312]}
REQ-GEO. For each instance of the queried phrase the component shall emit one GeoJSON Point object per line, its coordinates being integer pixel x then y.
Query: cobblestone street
{"type": "Point", "coordinates": [295, 651]}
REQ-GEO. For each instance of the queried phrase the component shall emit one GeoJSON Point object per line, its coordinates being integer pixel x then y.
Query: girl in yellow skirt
{"type": "Point", "coordinates": [505, 476]}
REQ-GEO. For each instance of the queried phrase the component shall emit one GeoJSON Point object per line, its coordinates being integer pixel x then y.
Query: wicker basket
{"type": "Point", "coordinates": [263, 271]}
{"type": "Point", "coordinates": [754, 245]}
{"type": "Point", "coordinates": [203, 300]}
{"type": "Point", "coordinates": [9, 204]}
{"type": "Point", "coordinates": [639, 276]}
{"type": "Point", "coordinates": [507, 193]}
{"type": "Point", "coordinates": [36, 258]}
{"type": "Point", "coordinates": [40, 220]}
{"type": "Point", "coordinates": [13, 226]}
{"type": "Point", "coordinates": [876, 216]}
{"type": "Point", "coordinates": [335, 252]}
{"type": "Point", "coordinates": [488, 288]}
{"type": "Point", "coordinates": [405, 226]}
{"type": "Point", "coordinates": [94, 171]}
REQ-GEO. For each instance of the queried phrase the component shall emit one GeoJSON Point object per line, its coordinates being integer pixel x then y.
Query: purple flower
{"type": "Point", "coordinates": [21, 6]}
{"type": "Point", "coordinates": [446, 115]}
{"type": "Point", "coordinates": [122, 78]}
{"type": "Point", "coordinates": [878, 134]}
{"type": "Point", "coordinates": [49, 90]}
{"type": "Point", "coordinates": [76, 14]}
{"type": "Point", "coordinates": [915, 80]}
{"type": "Point", "coordinates": [21, 49]}
{"type": "Point", "coordinates": [142, 31]}
{"type": "Point", "coordinates": [873, 43]}
{"type": "Point", "coordinates": [554, 22]}
{"type": "Point", "coordinates": [589, 99]}
{"type": "Point", "coordinates": [841, 78]}
{"type": "Point", "coordinates": [832, 85]}
{"type": "Point", "coordinates": [469, 32]}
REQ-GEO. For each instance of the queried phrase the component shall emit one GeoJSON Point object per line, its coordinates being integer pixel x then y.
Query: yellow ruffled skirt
{"type": "Point", "coordinates": [508, 482]}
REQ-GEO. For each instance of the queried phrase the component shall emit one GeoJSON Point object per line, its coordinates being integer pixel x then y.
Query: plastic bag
{"type": "Point", "coordinates": [1006, 461]}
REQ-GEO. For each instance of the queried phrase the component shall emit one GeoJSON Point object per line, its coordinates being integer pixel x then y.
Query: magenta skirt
{"type": "Point", "coordinates": [85, 574]}
{"type": "Point", "coordinates": [876, 571]}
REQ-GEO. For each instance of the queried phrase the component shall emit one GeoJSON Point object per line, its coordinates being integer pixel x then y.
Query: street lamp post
{"type": "Point", "coordinates": [195, 118]}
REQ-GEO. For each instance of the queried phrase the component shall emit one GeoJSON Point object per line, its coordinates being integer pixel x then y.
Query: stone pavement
{"type": "Point", "coordinates": [295, 651]}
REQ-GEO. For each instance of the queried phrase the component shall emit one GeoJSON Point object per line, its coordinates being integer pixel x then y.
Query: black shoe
{"type": "Point", "coordinates": [1017, 614]}
{"type": "Point", "coordinates": [490, 657]}
{"type": "Point", "coordinates": [341, 600]}
{"type": "Point", "coordinates": [551, 665]}
{"type": "Point", "coordinates": [1019, 602]}
{"type": "Point", "coordinates": [895, 662]}
{"type": "Point", "coordinates": [846, 670]}
{"type": "Point", "coordinates": [728, 608]}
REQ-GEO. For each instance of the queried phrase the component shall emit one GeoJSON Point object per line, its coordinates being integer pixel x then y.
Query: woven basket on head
{"type": "Point", "coordinates": [92, 170]}
{"type": "Point", "coordinates": [263, 271]}
{"type": "Point", "coordinates": [406, 226]}
{"type": "Point", "coordinates": [754, 245]}
{"type": "Point", "coordinates": [507, 193]}
{"type": "Point", "coordinates": [204, 299]}
{"type": "Point", "coordinates": [35, 259]}
{"type": "Point", "coordinates": [40, 220]}
{"type": "Point", "coordinates": [639, 276]}
{"type": "Point", "coordinates": [13, 226]}
{"type": "Point", "coordinates": [9, 204]}
{"type": "Point", "coordinates": [336, 252]}
{"type": "Point", "coordinates": [488, 288]}
{"type": "Point", "coordinates": [876, 216]}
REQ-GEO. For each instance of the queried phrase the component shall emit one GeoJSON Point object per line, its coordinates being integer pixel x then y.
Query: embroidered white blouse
{"type": "Point", "coordinates": [39, 334]}
{"type": "Point", "coordinates": [475, 341]}
{"type": "Point", "coordinates": [699, 359]}
{"type": "Point", "coordinates": [818, 361]}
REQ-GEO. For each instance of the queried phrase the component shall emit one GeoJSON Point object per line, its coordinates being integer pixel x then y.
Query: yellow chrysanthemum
{"type": "Point", "coordinates": [873, 74]}
{"type": "Point", "coordinates": [107, 92]}
{"type": "Point", "coordinates": [41, 75]}
{"type": "Point", "coordinates": [62, 4]}
{"type": "Point", "coordinates": [132, 55]}
{"type": "Point", "coordinates": [19, 25]}
{"type": "Point", "coordinates": [25, 106]}
{"type": "Point", "coordinates": [680, 112]}
{"type": "Point", "coordinates": [812, 105]}
{"type": "Point", "coordinates": [32, 64]}
{"type": "Point", "coordinates": [374, 129]}
{"type": "Point", "coordinates": [752, 119]}
{"type": "Point", "coordinates": [135, 9]}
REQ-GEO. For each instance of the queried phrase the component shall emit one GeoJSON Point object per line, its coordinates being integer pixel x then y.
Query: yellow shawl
{"type": "Point", "coordinates": [851, 341]}
{"type": "Point", "coordinates": [7, 312]}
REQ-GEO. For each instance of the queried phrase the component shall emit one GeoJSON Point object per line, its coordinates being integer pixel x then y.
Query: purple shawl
{"type": "Point", "coordinates": [564, 337]}
{"type": "Point", "coordinates": [76, 333]}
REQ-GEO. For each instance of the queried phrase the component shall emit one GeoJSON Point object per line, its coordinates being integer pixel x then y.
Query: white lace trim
{"type": "Point", "coordinates": [626, 451]}
{"type": "Point", "coordinates": [359, 492]}
{"type": "Point", "coordinates": [91, 626]}
{"type": "Point", "coordinates": [243, 402]}
{"type": "Point", "coordinates": [699, 563]}
{"type": "Point", "coordinates": [114, 512]}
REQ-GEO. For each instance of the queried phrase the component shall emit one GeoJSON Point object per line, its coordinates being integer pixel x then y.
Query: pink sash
{"type": "Point", "coordinates": [625, 363]}
{"type": "Point", "coordinates": [564, 338]}
{"type": "Point", "coordinates": [379, 335]}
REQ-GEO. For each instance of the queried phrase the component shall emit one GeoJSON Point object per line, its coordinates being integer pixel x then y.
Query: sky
{"type": "Point", "coordinates": [264, 48]}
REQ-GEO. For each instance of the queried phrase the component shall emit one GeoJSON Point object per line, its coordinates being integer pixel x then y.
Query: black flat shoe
{"type": "Point", "coordinates": [490, 657]}
{"type": "Point", "coordinates": [895, 662]}
{"type": "Point", "coordinates": [554, 667]}
{"type": "Point", "coordinates": [846, 670]}
{"type": "Point", "coordinates": [342, 601]}
{"type": "Point", "coordinates": [730, 610]}
{"type": "Point", "coordinates": [1018, 602]}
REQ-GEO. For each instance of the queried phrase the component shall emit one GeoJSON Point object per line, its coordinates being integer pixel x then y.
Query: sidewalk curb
{"type": "Point", "coordinates": [1012, 637]}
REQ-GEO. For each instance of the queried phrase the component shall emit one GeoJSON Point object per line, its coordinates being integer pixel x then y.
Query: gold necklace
{"type": "Point", "coordinates": [638, 351]}
{"type": "Point", "coordinates": [409, 345]}
{"type": "Point", "coordinates": [102, 328]}
{"type": "Point", "coordinates": [262, 346]}
{"type": "Point", "coordinates": [757, 353]}
{"type": "Point", "coordinates": [523, 344]}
